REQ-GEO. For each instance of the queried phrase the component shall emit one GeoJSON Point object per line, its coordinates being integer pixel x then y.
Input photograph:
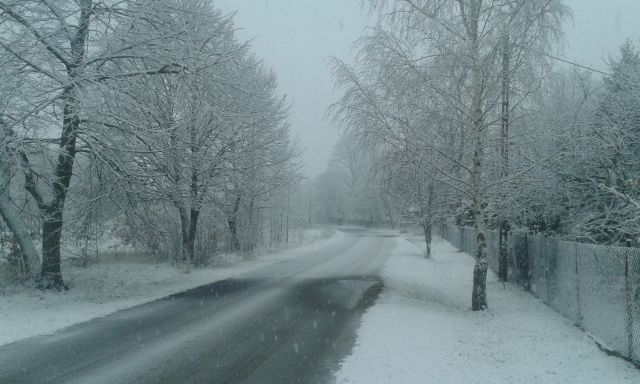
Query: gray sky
{"type": "Point", "coordinates": [599, 28]}
{"type": "Point", "coordinates": [295, 38]}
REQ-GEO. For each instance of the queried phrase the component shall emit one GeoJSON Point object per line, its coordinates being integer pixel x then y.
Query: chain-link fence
{"type": "Point", "coordinates": [597, 287]}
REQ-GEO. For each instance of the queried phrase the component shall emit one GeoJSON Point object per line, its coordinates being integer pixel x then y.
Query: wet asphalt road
{"type": "Point", "coordinates": [291, 322]}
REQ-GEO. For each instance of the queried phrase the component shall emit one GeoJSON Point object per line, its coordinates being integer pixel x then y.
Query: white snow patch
{"type": "Point", "coordinates": [102, 289]}
{"type": "Point", "coordinates": [422, 330]}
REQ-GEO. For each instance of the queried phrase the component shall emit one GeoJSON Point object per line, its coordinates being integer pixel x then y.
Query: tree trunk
{"type": "Point", "coordinates": [12, 217]}
{"type": "Point", "coordinates": [503, 258]}
{"type": "Point", "coordinates": [51, 272]}
{"type": "Point", "coordinates": [233, 224]}
{"type": "Point", "coordinates": [21, 233]}
{"type": "Point", "coordinates": [390, 215]}
{"type": "Point", "coordinates": [286, 241]}
{"type": "Point", "coordinates": [427, 227]}
{"type": "Point", "coordinates": [193, 230]}
{"type": "Point", "coordinates": [187, 251]}
{"type": "Point", "coordinates": [253, 225]}
{"type": "Point", "coordinates": [479, 294]}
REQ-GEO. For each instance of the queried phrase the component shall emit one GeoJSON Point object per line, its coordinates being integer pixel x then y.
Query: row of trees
{"type": "Point", "coordinates": [150, 113]}
{"type": "Point", "coordinates": [472, 122]}
{"type": "Point", "coordinates": [589, 190]}
{"type": "Point", "coordinates": [350, 190]}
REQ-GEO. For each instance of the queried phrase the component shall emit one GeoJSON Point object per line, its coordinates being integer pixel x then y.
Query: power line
{"type": "Point", "coordinates": [577, 65]}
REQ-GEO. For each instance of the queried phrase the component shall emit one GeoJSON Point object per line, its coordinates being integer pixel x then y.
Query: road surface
{"type": "Point", "coordinates": [290, 322]}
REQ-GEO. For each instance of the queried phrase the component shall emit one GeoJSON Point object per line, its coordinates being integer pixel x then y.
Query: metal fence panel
{"type": "Point", "coordinates": [596, 287]}
{"type": "Point", "coordinates": [519, 259]}
{"type": "Point", "coordinates": [470, 241]}
{"type": "Point", "coordinates": [550, 262]}
{"type": "Point", "coordinates": [493, 249]}
{"type": "Point", "coordinates": [633, 265]}
{"type": "Point", "coordinates": [537, 267]}
{"type": "Point", "coordinates": [456, 236]}
{"type": "Point", "coordinates": [448, 233]}
{"type": "Point", "coordinates": [563, 295]}
{"type": "Point", "coordinates": [601, 286]}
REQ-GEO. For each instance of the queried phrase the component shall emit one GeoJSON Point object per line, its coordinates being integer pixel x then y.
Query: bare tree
{"type": "Point", "coordinates": [68, 49]}
{"type": "Point", "coordinates": [9, 210]}
{"type": "Point", "coordinates": [452, 50]}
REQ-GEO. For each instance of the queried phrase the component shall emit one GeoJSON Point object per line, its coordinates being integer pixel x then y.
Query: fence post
{"type": "Point", "coordinates": [521, 259]}
{"type": "Point", "coordinates": [579, 320]}
{"type": "Point", "coordinates": [629, 303]}
{"type": "Point", "coordinates": [545, 252]}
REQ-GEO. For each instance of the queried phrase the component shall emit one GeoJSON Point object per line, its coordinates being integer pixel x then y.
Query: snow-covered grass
{"type": "Point", "coordinates": [422, 330]}
{"type": "Point", "coordinates": [114, 284]}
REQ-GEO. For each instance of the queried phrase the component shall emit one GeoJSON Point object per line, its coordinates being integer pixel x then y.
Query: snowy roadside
{"type": "Point", "coordinates": [421, 330]}
{"type": "Point", "coordinates": [101, 289]}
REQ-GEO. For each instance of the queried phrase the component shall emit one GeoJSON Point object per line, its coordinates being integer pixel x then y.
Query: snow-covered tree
{"type": "Point", "coordinates": [67, 50]}
{"type": "Point", "coordinates": [157, 98]}
{"type": "Point", "coordinates": [426, 86]}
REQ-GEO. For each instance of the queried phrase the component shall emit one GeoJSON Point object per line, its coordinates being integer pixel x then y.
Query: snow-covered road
{"type": "Point", "coordinates": [110, 286]}
{"type": "Point", "coordinates": [309, 319]}
{"type": "Point", "coordinates": [287, 322]}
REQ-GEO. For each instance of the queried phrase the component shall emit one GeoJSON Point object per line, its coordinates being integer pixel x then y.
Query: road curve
{"type": "Point", "coordinates": [290, 322]}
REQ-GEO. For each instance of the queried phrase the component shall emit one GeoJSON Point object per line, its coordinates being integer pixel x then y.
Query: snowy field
{"type": "Point", "coordinates": [104, 288]}
{"type": "Point", "coordinates": [422, 331]}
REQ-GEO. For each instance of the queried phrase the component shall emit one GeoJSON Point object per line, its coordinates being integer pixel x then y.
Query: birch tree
{"type": "Point", "coordinates": [463, 24]}
{"type": "Point", "coordinates": [452, 49]}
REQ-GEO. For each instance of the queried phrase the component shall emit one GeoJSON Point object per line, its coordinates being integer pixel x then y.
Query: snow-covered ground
{"type": "Point", "coordinates": [422, 331]}
{"type": "Point", "coordinates": [104, 288]}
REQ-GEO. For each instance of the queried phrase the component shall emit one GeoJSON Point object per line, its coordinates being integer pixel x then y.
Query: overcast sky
{"type": "Point", "coordinates": [296, 37]}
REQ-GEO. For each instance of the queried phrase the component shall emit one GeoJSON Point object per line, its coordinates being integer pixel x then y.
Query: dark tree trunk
{"type": "Point", "coordinates": [427, 219]}
{"type": "Point", "coordinates": [286, 241]}
{"type": "Point", "coordinates": [503, 257]}
{"type": "Point", "coordinates": [193, 230]}
{"type": "Point", "coordinates": [194, 211]}
{"type": "Point", "coordinates": [233, 224]}
{"type": "Point", "coordinates": [427, 227]}
{"type": "Point", "coordinates": [391, 220]}
{"type": "Point", "coordinates": [51, 272]}
{"type": "Point", "coordinates": [253, 226]}
{"type": "Point", "coordinates": [187, 251]}
{"type": "Point", "coordinates": [479, 295]}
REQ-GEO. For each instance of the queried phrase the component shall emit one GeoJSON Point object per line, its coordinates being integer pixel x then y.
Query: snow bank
{"type": "Point", "coordinates": [101, 289]}
{"type": "Point", "coordinates": [422, 331]}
